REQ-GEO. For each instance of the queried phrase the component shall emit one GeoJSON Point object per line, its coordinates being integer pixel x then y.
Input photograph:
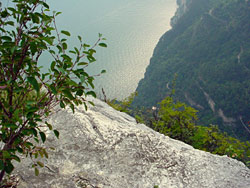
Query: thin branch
{"type": "Point", "coordinates": [57, 33]}
{"type": "Point", "coordinates": [8, 145]}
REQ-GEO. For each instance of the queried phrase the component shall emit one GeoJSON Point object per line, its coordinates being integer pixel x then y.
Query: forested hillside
{"type": "Point", "coordinates": [209, 50]}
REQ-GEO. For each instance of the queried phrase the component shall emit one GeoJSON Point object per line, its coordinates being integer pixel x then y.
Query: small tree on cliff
{"type": "Point", "coordinates": [27, 29]}
{"type": "Point", "coordinates": [176, 120]}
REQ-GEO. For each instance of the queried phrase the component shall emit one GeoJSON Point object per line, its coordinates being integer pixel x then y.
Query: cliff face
{"type": "Point", "coordinates": [107, 149]}
{"type": "Point", "coordinates": [183, 6]}
{"type": "Point", "coordinates": [209, 49]}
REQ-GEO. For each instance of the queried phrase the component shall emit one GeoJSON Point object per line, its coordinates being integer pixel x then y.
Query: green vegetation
{"type": "Point", "coordinates": [176, 120]}
{"type": "Point", "coordinates": [124, 105]}
{"type": "Point", "coordinates": [179, 121]}
{"type": "Point", "coordinates": [209, 48]}
{"type": "Point", "coordinates": [27, 96]}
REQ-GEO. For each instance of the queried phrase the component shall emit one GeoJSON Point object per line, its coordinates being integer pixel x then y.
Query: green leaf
{"type": "Point", "coordinates": [45, 4]}
{"type": "Point", "coordinates": [86, 46]}
{"type": "Point", "coordinates": [6, 38]}
{"type": "Point", "coordinates": [66, 57]}
{"type": "Point", "coordinates": [65, 32]}
{"type": "Point", "coordinates": [59, 48]}
{"type": "Point", "coordinates": [52, 148]}
{"type": "Point", "coordinates": [65, 46]}
{"type": "Point", "coordinates": [1, 165]}
{"type": "Point", "coordinates": [62, 105]}
{"type": "Point", "coordinates": [45, 154]}
{"type": "Point", "coordinates": [10, 23]}
{"type": "Point", "coordinates": [12, 126]}
{"type": "Point", "coordinates": [6, 154]}
{"type": "Point", "coordinates": [82, 78]}
{"type": "Point", "coordinates": [37, 141]}
{"type": "Point", "coordinates": [73, 52]}
{"type": "Point", "coordinates": [103, 71]}
{"type": "Point", "coordinates": [52, 66]}
{"type": "Point", "coordinates": [77, 51]}
{"type": "Point", "coordinates": [28, 144]}
{"type": "Point", "coordinates": [34, 83]}
{"type": "Point", "coordinates": [4, 14]}
{"type": "Point", "coordinates": [34, 132]}
{"type": "Point", "coordinates": [52, 52]}
{"type": "Point", "coordinates": [13, 49]}
{"type": "Point", "coordinates": [48, 40]}
{"type": "Point", "coordinates": [82, 63]}
{"type": "Point", "coordinates": [103, 45]}
{"type": "Point", "coordinates": [90, 81]}
{"type": "Point", "coordinates": [11, 9]}
{"type": "Point", "coordinates": [68, 94]}
{"type": "Point", "coordinates": [56, 133]}
{"type": "Point", "coordinates": [58, 13]}
{"type": "Point", "coordinates": [90, 102]}
{"type": "Point", "coordinates": [53, 89]}
{"type": "Point", "coordinates": [43, 136]}
{"type": "Point", "coordinates": [91, 93]}
{"type": "Point", "coordinates": [20, 150]}
{"type": "Point", "coordinates": [16, 158]}
{"type": "Point", "coordinates": [80, 38]}
{"type": "Point", "coordinates": [61, 70]}
{"type": "Point", "coordinates": [72, 108]}
{"type": "Point", "coordinates": [36, 172]}
{"type": "Point", "coordinates": [79, 92]}
{"type": "Point", "coordinates": [9, 167]}
{"type": "Point", "coordinates": [91, 58]}
{"type": "Point", "coordinates": [40, 164]}
{"type": "Point", "coordinates": [49, 125]}
{"type": "Point", "coordinates": [33, 47]}
{"type": "Point", "coordinates": [35, 18]}
{"type": "Point", "coordinates": [86, 107]}
{"type": "Point", "coordinates": [41, 153]}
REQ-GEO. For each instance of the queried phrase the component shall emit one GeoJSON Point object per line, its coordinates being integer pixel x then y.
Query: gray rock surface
{"type": "Point", "coordinates": [103, 148]}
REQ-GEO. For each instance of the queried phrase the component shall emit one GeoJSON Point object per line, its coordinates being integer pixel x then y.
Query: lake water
{"type": "Point", "coordinates": [132, 29]}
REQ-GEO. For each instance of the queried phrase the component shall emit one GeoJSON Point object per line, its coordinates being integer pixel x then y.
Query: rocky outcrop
{"type": "Point", "coordinates": [103, 148]}
{"type": "Point", "coordinates": [183, 6]}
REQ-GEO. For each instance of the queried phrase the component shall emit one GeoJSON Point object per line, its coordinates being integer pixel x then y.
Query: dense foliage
{"type": "Point", "coordinates": [209, 48]}
{"type": "Point", "coordinates": [27, 96]}
{"type": "Point", "coordinates": [178, 121]}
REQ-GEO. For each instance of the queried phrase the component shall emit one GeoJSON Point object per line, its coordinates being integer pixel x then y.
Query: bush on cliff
{"type": "Point", "coordinates": [178, 121]}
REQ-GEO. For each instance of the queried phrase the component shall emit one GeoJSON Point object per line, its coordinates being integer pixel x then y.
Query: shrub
{"type": "Point", "coordinates": [27, 30]}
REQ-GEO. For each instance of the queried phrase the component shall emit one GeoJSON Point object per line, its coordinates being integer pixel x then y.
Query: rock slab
{"type": "Point", "coordinates": [104, 148]}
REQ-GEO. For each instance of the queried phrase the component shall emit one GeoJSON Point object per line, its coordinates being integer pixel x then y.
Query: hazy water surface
{"type": "Point", "coordinates": [132, 29]}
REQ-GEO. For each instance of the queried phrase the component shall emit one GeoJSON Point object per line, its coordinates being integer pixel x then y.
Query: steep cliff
{"type": "Point", "coordinates": [209, 49]}
{"type": "Point", "coordinates": [104, 148]}
{"type": "Point", "coordinates": [183, 7]}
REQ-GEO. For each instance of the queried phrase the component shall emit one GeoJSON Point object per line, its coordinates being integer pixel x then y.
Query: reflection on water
{"type": "Point", "coordinates": [132, 27]}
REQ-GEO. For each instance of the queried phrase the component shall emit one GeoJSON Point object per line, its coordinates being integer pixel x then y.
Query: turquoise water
{"type": "Point", "coordinates": [132, 29]}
